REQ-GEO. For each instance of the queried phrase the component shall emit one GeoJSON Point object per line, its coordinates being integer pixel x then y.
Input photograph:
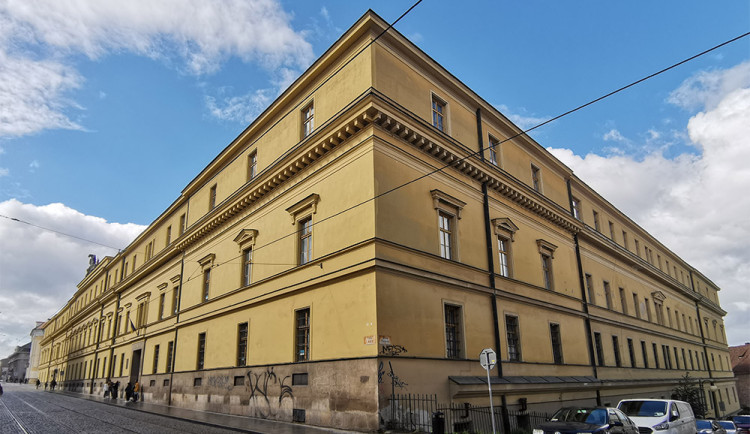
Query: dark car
{"type": "Point", "coordinates": [709, 427]}
{"type": "Point", "coordinates": [599, 420]}
{"type": "Point", "coordinates": [742, 423]}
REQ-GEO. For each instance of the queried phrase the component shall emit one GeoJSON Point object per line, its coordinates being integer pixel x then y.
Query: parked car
{"type": "Point", "coordinates": [598, 420]}
{"type": "Point", "coordinates": [709, 427]}
{"type": "Point", "coordinates": [742, 423]}
{"type": "Point", "coordinates": [729, 426]}
{"type": "Point", "coordinates": [665, 416]}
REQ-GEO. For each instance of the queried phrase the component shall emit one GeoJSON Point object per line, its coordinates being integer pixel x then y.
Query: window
{"type": "Point", "coordinates": [623, 301]}
{"type": "Point", "coordinates": [536, 180]}
{"type": "Point", "coordinates": [599, 349]}
{"type": "Point", "coordinates": [616, 348]}
{"type": "Point", "coordinates": [504, 230]}
{"type": "Point", "coordinates": [608, 295]}
{"type": "Point", "coordinates": [445, 223]}
{"type": "Point", "coordinates": [438, 113]}
{"type": "Point", "coordinates": [684, 360]}
{"type": "Point", "coordinates": [242, 344]}
{"type": "Point", "coordinates": [554, 331]}
{"type": "Point", "coordinates": [252, 165]}
{"type": "Point", "coordinates": [305, 240]}
{"type": "Point", "coordinates": [448, 212]}
{"type": "Point", "coordinates": [612, 231]}
{"type": "Point", "coordinates": [452, 331]}
{"type": "Point", "coordinates": [149, 250]}
{"type": "Point", "coordinates": [201, 350]}
{"type": "Point", "coordinates": [656, 355]}
{"type": "Point", "coordinates": [170, 350]}
{"type": "Point", "coordinates": [546, 252]}
{"type": "Point", "coordinates": [636, 306]}
{"type": "Point", "coordinates": [647, 308]}
{"type": "Point", "coordinates": [212, 198]}
{"type": "Point", "coordinates": [308, 120]}
{"type": "Point", "coordinates": [206, 284]}
{"type": "Point", "coordinates": [625, 240]}
{"type": "Point", "coordinates": [162, 297]}
{"type": "Point", "coordinates": [590, 289]}
{"type": "Point", "coordinates": [669, 317]}
{"type": "Point", "coordinates": [183, 224]}
{"type": "Point", "coordinates": [596, 221]}
{"type": "Point", "coordinates": [576, 206]}
{"type": "Point", "coordinates": [175, 295]}
{"type": "Point", "coordinates": [302, 337]}
{"type": "Point", "coordinates": [644, 353]}
{"type": "Point", "coordinates": [247, 266]}
{"type": "Point", "coordinates": [637, 248]}
{"type": "Point", "coordinates": [494, 146]}
{"type": "Point", "coordinates": [514, 341]}
{"type": "Point", "coordinates": [169, 235]}
{"type": "Point", "coordinates": [156, 359]}
{"type": "Point", "coordinates": [503, 251]}
{"type": "Point", "coordinates": [631, 353]}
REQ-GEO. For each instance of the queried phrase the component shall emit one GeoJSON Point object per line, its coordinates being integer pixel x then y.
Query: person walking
{"type": "Point", "coordinates": [106, 389]}
{"type": "Point", "coordinates": [136, 391]}
{"type": "Point", "coordinates": [114, 389]}
{"type": "Point", "coordinates": [38, 383]}
{"type": "Point", "coordinates": [128, 391]}
{"type": "Point", "coordinates": [53, 384]}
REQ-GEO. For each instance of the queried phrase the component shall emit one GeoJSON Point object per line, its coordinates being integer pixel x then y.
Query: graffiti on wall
{"type": "Point", "coordinates": [263, 386]}
{"type": "Point", "coordinates": [392, 350]}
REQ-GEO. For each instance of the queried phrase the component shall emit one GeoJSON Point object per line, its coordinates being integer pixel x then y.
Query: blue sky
{"type": "Point", "coordinates": [110, 111]}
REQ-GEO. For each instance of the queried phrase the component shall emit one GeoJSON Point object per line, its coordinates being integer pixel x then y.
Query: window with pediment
{"type": "Point", "coordinates": [246, 241]}
{"type": "Point", "coordinates": [302, 214]}
{"type": "Point", "coordinates": [448, 210]}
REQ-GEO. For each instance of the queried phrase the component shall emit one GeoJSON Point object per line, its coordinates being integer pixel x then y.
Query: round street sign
{"type": "Point", "coordinates": [488, 358]}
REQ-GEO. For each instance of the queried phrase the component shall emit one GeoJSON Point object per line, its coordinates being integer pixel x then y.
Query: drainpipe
{"type": "Point", "coordinates": [705, 350]}
{"type": "Point", "coordinates": [491, 273]}
{"type": "Point", "coordinates": [177, 320]}
{"type": "Point", "coordinates": [584, 304]}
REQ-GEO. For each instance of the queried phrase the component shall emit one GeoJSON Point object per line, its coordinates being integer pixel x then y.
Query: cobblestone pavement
{"type": "Point", "coordinates": [23, 409]}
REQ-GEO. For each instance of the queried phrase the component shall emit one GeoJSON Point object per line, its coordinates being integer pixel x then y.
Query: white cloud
{"type": "Point", "coordinates": [244, 108]}
{"type": "Point", "coordinates": [523, 121]}
{"type": "Point", "coordinates": [4, 171]}
{"type": "Point", "coordinates": [33, 166]}
{"type": "Point", "coordinates": [708, 88]}
{"type": "Point", "coordinates": [694, 204]}
{"type": "Point", "coordinates": [40, 269]}
{"type": "Point", "coordinates": [38, 41]}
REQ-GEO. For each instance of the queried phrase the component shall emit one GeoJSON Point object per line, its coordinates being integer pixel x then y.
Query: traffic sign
{"type": "Point", "coordinates": [488, 358]}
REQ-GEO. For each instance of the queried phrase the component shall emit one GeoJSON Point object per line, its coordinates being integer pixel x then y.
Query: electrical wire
{"type": "Point", "coordinates": [59, 232]}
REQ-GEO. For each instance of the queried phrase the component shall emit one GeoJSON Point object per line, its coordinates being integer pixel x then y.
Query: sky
{"type": "Point", "coordinates": [109, 109]}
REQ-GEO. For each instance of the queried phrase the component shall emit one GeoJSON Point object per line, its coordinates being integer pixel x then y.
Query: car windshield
{"type": "Point", "coordinates": [593, 416]}
{"type": "Point", "coordinates": [703, 424]}
{"type": "Point", "coordinates": [644, 408]}
{"type": "Point", "coordinates": [742, 419]}
{"type": "Point", "coordinates": [728, 424]}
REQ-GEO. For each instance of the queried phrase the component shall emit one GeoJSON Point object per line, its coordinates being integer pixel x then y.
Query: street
{"type": "Point", "coordinates": [23, 409]}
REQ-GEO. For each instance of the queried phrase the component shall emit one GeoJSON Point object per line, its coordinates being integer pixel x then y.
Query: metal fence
{"type": "Point", "coordinates": [414, 413]}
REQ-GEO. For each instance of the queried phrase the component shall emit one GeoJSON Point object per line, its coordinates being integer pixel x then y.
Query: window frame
{"type": "Point", "coordinates": [252, 165]}
{"type": "Point", "coordinates": [302, 334]}
{"type": "Point", "coordinates": [492, 150]}
{"type": "Point", "coordinates": [513, 338]}
{"type": "Point", "coordinates": [301, 213]}
{"type": "Point", "coordinates": [453, 330]}
{"type": "Point", "coordinates": [308, 119]}
{"type": "Point", "coordinates": [201, 351]}
{"type": "Point", "coordinates": [439, 113]}
{"type": "Point", "coordinates": [547, 254]}
{"type": "Point", "coordinates": [536, 178]}
{"type": "Point", "coordinates": [243, 332]}
{"type": "Point", "coordinates": [449, 208]}
{"type": "Point", "coordinates": [556, 341]}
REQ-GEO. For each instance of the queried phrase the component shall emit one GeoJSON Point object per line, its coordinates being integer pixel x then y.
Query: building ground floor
{"type": "Point", "coordinates": [368, 394]}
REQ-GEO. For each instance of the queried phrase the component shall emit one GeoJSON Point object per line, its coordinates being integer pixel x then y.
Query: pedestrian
{"type": "Point", "coordinates": [52, 384]}
{"type": "Point", "coordinates": [136, 391]}
{"type": "Point", "coordinates": [128, 391]}
{"type": "Point", "coordinates": [45, 385]}
{"type": "Point", "coordinates": [114, 389]}
{"type": "Point", "coordinates": [106, 389]}
{"type": "Point", "coordinates": [38, 383]}
{"type": "Point", "coordinates": [1, 390]}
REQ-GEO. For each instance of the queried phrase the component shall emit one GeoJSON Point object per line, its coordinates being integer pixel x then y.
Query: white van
{"type": "Point", "coordinates": [665, 416]}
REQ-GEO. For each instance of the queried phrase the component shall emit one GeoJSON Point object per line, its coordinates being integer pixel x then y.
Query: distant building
{"type": "Point", "coordinates": [740, 357]}
{"type": "Point", "coordinates": [32, 372]}
{"type": "Point", "coordinates": [374, 231]}
{"type": "Point", "coordinates": [17, 364]}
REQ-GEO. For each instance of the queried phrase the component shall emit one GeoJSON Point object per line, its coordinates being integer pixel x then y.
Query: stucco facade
{"type": "Point", "coordinates": [381, 218]}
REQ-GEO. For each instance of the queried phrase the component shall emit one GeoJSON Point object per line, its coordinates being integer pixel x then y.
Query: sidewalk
{"type": "Point", "coordinates": [220, 420]}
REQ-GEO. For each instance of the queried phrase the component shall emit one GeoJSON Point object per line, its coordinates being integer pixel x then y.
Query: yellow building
{"type": "Point", "coordinates": [379, 219]}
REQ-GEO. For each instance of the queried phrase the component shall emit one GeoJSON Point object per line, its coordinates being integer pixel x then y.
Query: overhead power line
{"type": "Point", "coordinates": [59, 233]}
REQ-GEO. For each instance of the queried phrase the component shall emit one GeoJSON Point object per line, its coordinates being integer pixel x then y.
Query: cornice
{"type": "Point", "coordinates": [260, 188]}
{"type": "Point", "coordinates": [511, 189]}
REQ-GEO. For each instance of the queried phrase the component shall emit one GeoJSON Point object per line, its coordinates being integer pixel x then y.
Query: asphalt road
{"type": "Point", "coordinates": [24, 409]}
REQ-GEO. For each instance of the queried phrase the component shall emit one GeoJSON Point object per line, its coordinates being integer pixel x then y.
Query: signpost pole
{"type": "Point", "coordinates": [488, 358]}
